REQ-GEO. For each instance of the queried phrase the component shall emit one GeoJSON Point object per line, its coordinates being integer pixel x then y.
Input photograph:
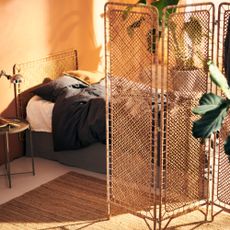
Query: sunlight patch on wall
{"type": "Point", "coordinates": [23, 37]}
{"type": "Point", "coordinates": [23, 32]}
{"type": "Point", "coordinates": [98, 22]}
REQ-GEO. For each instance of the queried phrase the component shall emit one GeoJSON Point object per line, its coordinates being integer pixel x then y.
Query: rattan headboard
{"type": "Point", "coordinates": [36, 72]}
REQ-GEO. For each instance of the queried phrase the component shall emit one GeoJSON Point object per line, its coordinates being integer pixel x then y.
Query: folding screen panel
{"type": "Point", "coordinates": [132, 107]}
{"type": "Point", "coordinates": [188, 38]}
{"type": "Point", "coordinates": [156, 72]}
{"type": "Point", "coordinates": [221, 165]}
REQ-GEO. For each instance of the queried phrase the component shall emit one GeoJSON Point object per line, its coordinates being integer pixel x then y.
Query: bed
{"type": "Point", "coordinates": [39, 111]}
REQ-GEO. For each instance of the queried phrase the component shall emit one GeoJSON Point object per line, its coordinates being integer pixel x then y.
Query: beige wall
{"type": "Point", "coordinates": [32, 29]}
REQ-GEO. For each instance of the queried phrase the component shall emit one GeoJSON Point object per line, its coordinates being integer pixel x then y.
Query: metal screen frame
{"type": "Point", "coordinates": [132, 142]}
{"type": "Point", "coordinates": [221, 166]}
{"type": "Point", "coordinates": [172, 152]}
{"type": "Point", "coordinates": [183, 156]}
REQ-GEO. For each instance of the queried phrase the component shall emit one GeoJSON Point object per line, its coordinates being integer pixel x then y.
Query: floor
{"type": "Point", "coordinates": [45, 170]}
{"type": "Point", "coordinates": [48, 170]}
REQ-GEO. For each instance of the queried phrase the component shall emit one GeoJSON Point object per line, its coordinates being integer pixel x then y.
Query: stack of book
{"type": "Point", "coordinates": [4, 122]}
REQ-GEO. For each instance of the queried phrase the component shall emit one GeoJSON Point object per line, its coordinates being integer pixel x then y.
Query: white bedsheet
{"type": "Point", "coordinates": [39, 114]}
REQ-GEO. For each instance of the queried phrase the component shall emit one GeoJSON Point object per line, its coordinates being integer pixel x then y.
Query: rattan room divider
{"type": "Point", "coordinates": [156, 169]}
{"type": "Point", "coordinates": [221, 177]}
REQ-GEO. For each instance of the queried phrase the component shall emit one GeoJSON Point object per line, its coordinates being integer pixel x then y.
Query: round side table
{"type": "Point", "coordinates": [13, 126]}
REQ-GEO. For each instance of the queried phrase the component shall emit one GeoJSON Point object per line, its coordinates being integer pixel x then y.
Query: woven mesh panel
{"type": "Point", "coordinates": [131, 118]}
{"type": "Point", "coordinates": [34, 72]}
{"type": "Point", "coordinates": [191, 56]}
{"type": "Point", "coordinates": [223, 191]}
{"type": "Point", "coordinates": [185, 157]}
{"type": "Point", "coordinates": [222, 169]}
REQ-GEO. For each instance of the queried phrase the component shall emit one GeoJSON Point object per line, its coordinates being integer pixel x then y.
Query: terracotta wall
{"type": "Point", "coordinates": [32, 29]}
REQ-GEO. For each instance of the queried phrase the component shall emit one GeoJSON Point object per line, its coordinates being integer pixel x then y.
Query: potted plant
{"type": "Point", "coordinates": [186, 55]}
{"type": "Point", "coordinates": [213, 109]}
{"type": "Point", "coordinates": [151, 36]}
{"type": "Point", "coordinates": [185, 46]}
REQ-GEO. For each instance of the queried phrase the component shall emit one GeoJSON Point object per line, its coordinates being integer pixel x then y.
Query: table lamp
{"type": "Point", "coordinates": [15, 79]}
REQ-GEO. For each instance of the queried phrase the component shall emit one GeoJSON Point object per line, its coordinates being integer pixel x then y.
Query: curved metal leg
{"type": "Point", "coordinates": [8, 159]}
{"type": "Point", "coordinates": [32, 151]}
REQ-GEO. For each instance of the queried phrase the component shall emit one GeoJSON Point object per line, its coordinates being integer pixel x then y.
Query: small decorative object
{"type": "Point", "coordinates": [3, 123]}
{"type": "Point", "coordinates": [213, 109]}
{"type": "Point", "coordinates": [11, 122]}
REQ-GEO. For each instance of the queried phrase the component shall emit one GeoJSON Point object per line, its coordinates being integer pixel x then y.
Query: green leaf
{"type": "Point", "coordinates": [202, 109]}
{"type": "Point", "coordinates": [218, 78]}
{"type": "Point", "coordinates": [227, 146]}
{"type": "Point", "coordinates": [195, 36]}
{"type": "Point", "coordinates": [162, 4]}
{"type": "Point", "coordinates": [210, 99]}
{"type": "Point", "coordinates": [129, 8]}
{"type": "Point", "coordinates": [208, 102]}
{"type": "Point", "coordinates": [210, 122]}
{"type": "Point", "coordinates": [135, 25]}
{"type": "Point", "coordinates": [158, 4]}
{"type": "Point", "coordinates": [126, 12]}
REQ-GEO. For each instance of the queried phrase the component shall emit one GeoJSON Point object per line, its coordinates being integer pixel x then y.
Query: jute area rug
{"type": "Point", "coordinates": [75, 201]}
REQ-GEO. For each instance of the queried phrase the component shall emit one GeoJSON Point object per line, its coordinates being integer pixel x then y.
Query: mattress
{"type": "Point", "coordinates": [39, 114]}
{"type": "Point", "coordinates": [91, 158]}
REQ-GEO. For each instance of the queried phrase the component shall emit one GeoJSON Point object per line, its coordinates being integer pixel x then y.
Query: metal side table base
{"type": "Point", "coordinates": [8, 173]}
{"type": "Point", "coordinates": [20, 126]}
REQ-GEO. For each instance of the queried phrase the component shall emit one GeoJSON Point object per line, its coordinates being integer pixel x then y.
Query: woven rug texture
{"type": "Point", "coordinates": [75, 201]}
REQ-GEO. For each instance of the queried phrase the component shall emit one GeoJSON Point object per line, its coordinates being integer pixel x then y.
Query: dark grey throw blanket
{"type": "Point", "coordinates": [79, 117]}
{"type": "Point", "coordinates": [227, 53]}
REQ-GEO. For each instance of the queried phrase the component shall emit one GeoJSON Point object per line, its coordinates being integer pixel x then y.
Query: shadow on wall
{"type": "Point", "coordinates": [17, 148]}
{"type": "Point", "coordinates": [71, 25]}
{"type": "Point", "coordinates": [68, 24]}
{"type": "Point", "coordinates": [5, 1]}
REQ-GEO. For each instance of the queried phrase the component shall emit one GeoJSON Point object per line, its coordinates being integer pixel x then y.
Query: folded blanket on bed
{"type": "Point", "coordinates": [79, 117]}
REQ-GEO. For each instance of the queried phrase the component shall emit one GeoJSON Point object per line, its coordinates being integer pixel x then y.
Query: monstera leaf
{"type": "Point", "coordinates": [129, 8]}
{"type": "Point", "coordinates": [213, 110]}
{"type": "Point", "coordinates": [208, 102]}
{"type": "Point", "coordinates": [159, 5]}
{"type": "Point", "coordinates": [132, 27]}
{"type": "Point", "coordinates": [227, 147]}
